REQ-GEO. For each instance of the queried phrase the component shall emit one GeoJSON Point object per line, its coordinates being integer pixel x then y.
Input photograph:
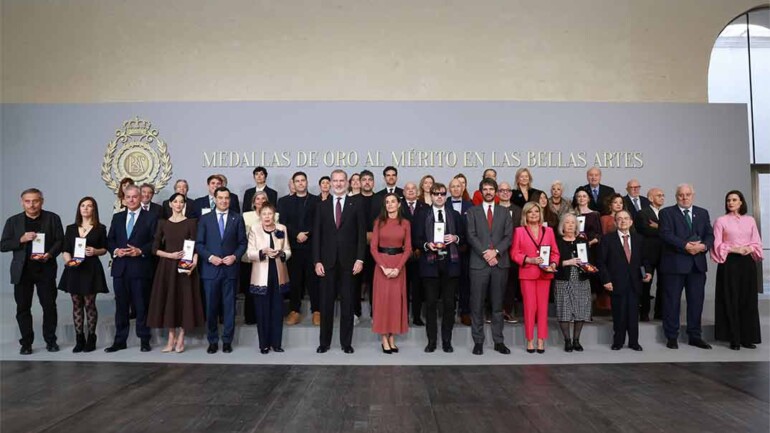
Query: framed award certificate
{"type": "Point", "coordinates": [38, 245]}
{"type": "Point", "coordinates": [582, 252]}
{"type": "Point", "coordinates": [438, 233]}
{"type": "Point", "coordinates": [79, 252]}
{"type": "Point", "coordinates": [205, 210]}
{"type": "Point", "coordinates": [545, 254]}
{"type": "Point", "coordinates": [185, 264]}
{"type": "Point", "coordinates": [581, 220]}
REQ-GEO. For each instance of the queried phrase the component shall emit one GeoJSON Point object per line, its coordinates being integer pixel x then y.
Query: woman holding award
{"type": "Point", "coordinates": [176, 297]}
{"type": "Point", "coordinates": [83, 275]}
{"type": "Point", "coordinates": [573, 290]}
{"type": "Point", "coordinates": [268, 251]}
{"type": "Point", "coordinates": [534, 248]}
{"type": "Point", "coordinates": [250, 218]}
{"type": "Point", "coordinates": [590, 229]}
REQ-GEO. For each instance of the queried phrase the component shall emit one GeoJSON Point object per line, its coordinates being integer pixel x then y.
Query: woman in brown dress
{"type": "Point", "coordinates": [390, 246]}
{"type": "Point", "coordinates": [613, 204]}
{"type": "Point", "coordinates": [176, 297]}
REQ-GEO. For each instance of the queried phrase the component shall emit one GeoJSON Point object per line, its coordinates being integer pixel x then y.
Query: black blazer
{"type": "Point", "coordinates": [376, 205]}
{"type": "Point", "coordinates": [189, 210]}
{"type": "Point", "coordinates": [346, 244]}
{"type": "Point", "coordinates": [604, 192]}
{"type": "Point", "coordinates": [568, 251]}
{"type": "Point", "coordinates": [248, 197]}
{"type": "Point", "coordinates": [643, 203]}
{"type": "Point", "coordinates": [141, 237]}
{"type": "Point", "coordinates": [422, 233]}
{"type": "Point", "coordinates": [613, 267]}
{"type": "Point", "coordinates": [518, 198]}
{"type": "Point", "coordinates": [674, 234]}
{"type": "Point", "coordinates": [298, 215]}
{"type": "Point", "coordinates": [652, 242]}
{"type": "Point", "coordinates": [201, 203]}
{"type": "Point", "coordinates": [50, 224]}
{"type": "Point", "coordinates": [405, 213]}
{"type": "Point", "coordinates": [157, 210]}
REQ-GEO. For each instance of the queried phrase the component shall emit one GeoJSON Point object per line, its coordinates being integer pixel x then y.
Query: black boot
{"type": "Point", "coordinates": [576, 345]}
{"type": "Point", "coordinates": [90, 343]}
{"type": "Point", "coordinates": [567, 345]}
{"type": "Point", "coordinates": [80, 342]}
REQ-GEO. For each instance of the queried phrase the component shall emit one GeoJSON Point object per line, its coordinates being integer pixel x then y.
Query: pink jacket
{"type": "Point", "coordinates": [524, 245]}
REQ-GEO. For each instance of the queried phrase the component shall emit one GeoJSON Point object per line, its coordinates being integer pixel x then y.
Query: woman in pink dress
{"type": "Point", "coordinates": [390, 246]}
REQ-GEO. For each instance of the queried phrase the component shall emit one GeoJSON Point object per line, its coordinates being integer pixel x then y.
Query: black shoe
{"type": "Point", "coordinates": [502, 348]}
{"type": "Point", "coordinates": [576, 345]}
{"type": "Point", "coordinates": [478, 349]}
{"type": "Point", "coordinates": [635, 347]}
{"type": "Point", "coordinates": [80, 343]}
{"type": "Point", "coordinates": [540, 351]}
{"type": "Point", "coordinates": [90, 343]}
{"type": "Point", "coordinates": [115, 347]}
{"type": "Point", "coordinates": [735, 346]}
{"type": "Point", "coordinates": [446, 346]}
{"type": "Point", "coordinates": [431, 347]}
{"type": "Point", "coordinates": [568, 345]}
{"type": "Point", "coordinates": [388, 351]}
{"type": "Point", "coordinates": [52, 347]}
{"type": "Point", "coordinates": [749, 345]}
{"type": "Point", "coordinates": [25, 350]}
{"type": "Point", "coordinates": [672, 343]}
{"type": "Point", "coordinates": [699, 344]}
{"type": "Point", "coordinates": [227, 348]}
{"type": "Point", "coordinates": [418, 322]}
{"type": "Point", "coordinates": [616, 346]}
{"type": "Point", "coordinates": [278, 349]}
{"type": "Point", "coordinates": [264, 350]}
{"type": "Point", "coordinates": [322, 349]}
{"type": "Point", "coordinates": [531, 350]}
{"type": "Point", "coordinates": [348, 349]}
{"type": "Point", "coordinates": [213, 347]}
{"type": "Point", "coordinates": [145, 346]}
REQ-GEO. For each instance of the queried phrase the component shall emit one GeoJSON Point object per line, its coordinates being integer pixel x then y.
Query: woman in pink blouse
{"type": "Point", "coordinates": [737, 248]}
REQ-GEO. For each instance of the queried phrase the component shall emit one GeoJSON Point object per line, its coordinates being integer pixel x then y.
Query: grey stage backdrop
{"type": "Point", "coordinates": [59, 148]}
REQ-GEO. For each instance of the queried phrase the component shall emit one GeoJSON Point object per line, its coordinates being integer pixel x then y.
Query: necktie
{"type": "Point", "coordinates": [390, 190]}
{"type": "Point", "coordinates": [627, 248]}
{"type": "Point", "coordinates": [687, 218]}
{"type": "Point", "coordinates": [595, 193]}
{"type": "Point", "coordinates": [338, 212]}
{"type": "Point", "coordinates": [636, 203]}
{"type": "Point", "coordinates": [411, 208]}
{"type": "Point", "coordinates": [222, 224]}
{"type": "Point", "coordinates": [130, 226]}
{"type": "Point", "coordinates": [440, 216]}
{"type": "Point", "coordinates": [489, 217]}
{"type": "Point", "coordinates": [211, 202]}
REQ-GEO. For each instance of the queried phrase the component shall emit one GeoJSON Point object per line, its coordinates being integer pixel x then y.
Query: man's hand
{"type": "Point", "coordinates": [608, 286]}
{"type": "Point", "coordinates": [358, 266]}
{"type": "Point", "coordinates": [229, 260]}
{"type": "Point", "coordinates": [319, 269]}
{"type": "Point", "coordinates": [302, 237]}
{"type": "Point", "coordinates": [489, 255]}
{"type": "Point", "coordinates": [215, 260]}
{"type": "Point", "coordinates": [28, 237]}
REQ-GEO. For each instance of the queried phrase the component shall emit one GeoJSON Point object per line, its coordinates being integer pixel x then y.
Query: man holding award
{"type": "Point", "coordinates": [36, 237]}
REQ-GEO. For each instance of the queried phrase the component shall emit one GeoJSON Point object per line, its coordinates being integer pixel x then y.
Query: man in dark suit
{"type": "Point", "coordinates": [633, 200]}
{"type": "Point", "coordinates": [147, 193]}
{"type": "Point", "coordinates": [29, 271]}
{"type": "Point", "coordinates": [512, 289]}
{"type": "Point", "coordinates": [622, 270]}
{"type": "Point", "coordinates": [181, 187]}
{"type": "Point", "coordinates": [410, 207]}
{"type": "Point", "coordinates": [339, 241]}
{"type": "Point", "coordinates": [687, 236]}
{"type": "Point", "coordinates": [464, 286]}
{"type": "Point", "coordinates": [220, 244]}
{"type": "Point", "coordinates": [260, 179]}
{"type": "Point", "coordinates": [390, 176]}
{"type": "Point", "coordinates": [130, 240]}
{"type": "Point", "coordinates": [597, 193]}
{"type": "Point", "coordinates": [646, 223]}
{"type": "Point", "coordinates": [207, 203]}
{"type": "Point", "coordinates": [363, 281]}
{"type": "Point", "coordinates": [490, 231]}
{"type": "Point", "coordinates": [439, 264]}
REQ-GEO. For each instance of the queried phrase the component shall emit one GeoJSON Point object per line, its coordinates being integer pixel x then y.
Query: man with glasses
{"type": "Point", "coordinates": [634, 201]}
{"type": "Point", "coordinates": [512, 289]}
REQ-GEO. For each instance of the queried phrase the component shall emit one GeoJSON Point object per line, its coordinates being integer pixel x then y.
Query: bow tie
{"type": "Point", "coordinates": [457, 201]}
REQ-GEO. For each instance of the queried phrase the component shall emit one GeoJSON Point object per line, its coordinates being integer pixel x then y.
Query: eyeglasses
{"type": "Point", "coordinates": [443, 194]}
{"type": "Point", "coordinates": [504, 190]}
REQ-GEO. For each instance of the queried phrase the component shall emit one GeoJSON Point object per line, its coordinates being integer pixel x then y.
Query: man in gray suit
{"type": "Point", "coordinates": [490, 230]}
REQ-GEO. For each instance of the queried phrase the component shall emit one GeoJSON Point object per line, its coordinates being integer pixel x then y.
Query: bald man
{"type": "Point", "coordinates": [597, 193]}
{"type": "Point", "coordinates": [634, 201]}
{"type": "Point", "coordinates": [646, 222]}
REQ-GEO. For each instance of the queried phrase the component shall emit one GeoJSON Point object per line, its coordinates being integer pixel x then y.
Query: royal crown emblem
{"type": "Point", "coordinates": [137, 153]}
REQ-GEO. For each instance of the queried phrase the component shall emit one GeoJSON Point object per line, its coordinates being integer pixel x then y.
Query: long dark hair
{"type": "Point", "coordinates": [383, 217]}
{"type": "Point", "coordinates": [608, 202]}
{"type": "Point", "coordinates": [94, 218]}
{"type": "Point", "coordinates": [741, 210]}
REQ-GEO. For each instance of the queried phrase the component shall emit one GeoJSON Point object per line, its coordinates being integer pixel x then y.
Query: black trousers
{"type": "Point", "coordinates": [644, 298]}
{"type": "Point", "coordinates": [512, 289]}
{"type": "Point", "coordinates": [414, 288]}
{"type": "Point", "coordinates": [46, 295]}
{"type": "Point", "coordinates": [444, 287]}
{"type": "Point", "coordinates": [363, 281]}
{"type": "Point", "coordinates": [625, 318]}
{"type": "Point", "coordinates": [338, 280]}
{"type": "Point", "coordinates": [303, 279]}
{"type": "Point", "coordinates": [249, 316]}
{"type": "Point", "coordinates": [464, 286]}
{"type": "Point", "coordinates": [269, 314]}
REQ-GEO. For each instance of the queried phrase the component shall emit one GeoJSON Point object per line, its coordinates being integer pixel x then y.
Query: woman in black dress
{"type": "Point", "coordinates": [83, 278]}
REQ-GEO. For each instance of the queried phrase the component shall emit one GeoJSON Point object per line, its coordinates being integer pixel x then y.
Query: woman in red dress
{"type": "Point", "coordinates": [390, 245]}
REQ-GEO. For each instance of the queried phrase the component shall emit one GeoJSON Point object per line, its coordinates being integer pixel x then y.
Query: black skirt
{"type": "Point", "coordinates": [737, 312]}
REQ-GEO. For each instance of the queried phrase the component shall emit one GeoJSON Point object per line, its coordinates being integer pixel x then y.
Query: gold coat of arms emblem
{"type": "Point", "coordinates": [137, 152]}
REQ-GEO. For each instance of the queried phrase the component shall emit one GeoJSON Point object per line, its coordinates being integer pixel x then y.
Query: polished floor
{"type": "Point", "coordinates": [142, 397]}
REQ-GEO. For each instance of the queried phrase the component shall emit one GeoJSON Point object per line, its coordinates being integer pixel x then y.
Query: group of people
{"type": "Point", "coordinates": [434, 247]}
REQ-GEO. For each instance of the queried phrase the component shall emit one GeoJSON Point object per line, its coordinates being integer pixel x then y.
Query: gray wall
{"type": "Point", "coordinates": [59, 148]}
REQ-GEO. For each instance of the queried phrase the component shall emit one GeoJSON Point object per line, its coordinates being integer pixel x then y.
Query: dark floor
{"type": "Point", "coordinates": [135, 398]}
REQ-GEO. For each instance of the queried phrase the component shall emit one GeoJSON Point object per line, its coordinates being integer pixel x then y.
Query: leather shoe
{"type": "Point", "coordinates": [264, 350]}
{"type": "Point", "coordinates": [115, 347]}
{"type": "Point", "coordinates": [446, 346]}
{"type": "Point", "coordinates": [213, 347]}
{"type": "Point", "coordinates": [418, 322]}
{"type": "Point", "coordinates": [749, 345]}
{"type": "Point", "coordinates": [322, 349]}
{"type": "Point", "coordinates": [700, 344]}
{"type": "Point", "coordinates": [635, 347]}
{"type": "Point", "coordinates": [502, 348]}
{"type": "Point", "coordinates": [431, 347]}
{"type": "Point", "coordinates": [145, 346]}
{"type": "Point", "coordinates": [348, 349]}
{"type": "Point", "coordinates": [227, 348]}
{"type": "Point", "coordinates": [478, 349]}
{"type": "Point", "coordinates": [568, 345]}
{"type": "Point", "coordinates": [616, 347]}
{"type": "Point", "coordinates": [278, 349]}
{"type": "Point", "coordinates": [25, 350]}
{"type": "Point", "coordinates": [576, 346]}
{"type": "Point", "coordinates": [672, 343]}
{"type": "Point", "coordinates": [735, 346]}
{"type": "Point", "coordinates": [465, 319]}
{"type": "Point", "coordinates": [53, 347]}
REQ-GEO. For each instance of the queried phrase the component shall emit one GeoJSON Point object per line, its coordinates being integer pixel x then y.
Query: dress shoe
{"type": "Point", "coordinates": [502, 348]}
{"type": "Point", "coordinates": [356, 320]}
{"type": "Point", "coordinates": [322, 349]}
{"type": "Point", "coordinates": [700, 344]}
{"type": "Point", "coordinates": [393, 348]}
{"type": "Point", "coordinates": [52, 347]}
{"type": "Point", "coordinates": [90, 343]}
{"type": "Point", "coordinates": [635, 347]}
{"type": "Point", "coordinates": [540, 351]}
{"type": "Point", "coordinates": [478, 349]}
{"type": "Point", "coordinates": [446, 346]}
{"type": "Point", "coordinates": [80, 343]}
{"type": "Point", "coordinates": [213, 347]}
{"type": "Point", "coordinates": [465, 319]}
{"type": "Point", "coordinates": [278, 349]}
{"type": "Point", "coordinates": [735, 346]}
{"type": "Point", "coordinates": [616, 347]}
{"type": "Point", "coordinates": [145, 346]}
{"type": "Point", "coordinates": [431, 347]}
{"type": "Point", "coordinates": [672, 343]}
{"type": "Point", "coordinates": [293, 318]}
{"type": "Point", "coordinates": [348, 349]}
{"type": "Point", "coordinates": [749, 345]}
{"type": "Point", "coordinates": [418, 322]}
{"type": "Point", "coordinates": [388, 351]}
{"type": "Point", "coordinates": [531, 350]}
{"type": "Point", "coordinates": [576, 345]}
{"type": "Point", "coordinates": [25, 350]}
{"type": "Point", "coordinates": [317, 319]}
{"type": "Point", "coordinates": [507, 318]}
{"type": "Point", "coordinates": [264, 350]}
{"type": "Point", "coordinates": [115, 347]}
{"type": "Point", "coordinates": [568, 345]}
{"type": "Point", "coordinates": [227, 348]}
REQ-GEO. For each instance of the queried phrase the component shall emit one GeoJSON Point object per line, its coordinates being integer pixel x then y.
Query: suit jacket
{"type": "Point", "coordinates": [142, 237]}
{"type": "Point", "coordinates": [643, 203]}
{"type": "Point", "coordinates": [260, 268]}
{"type": "Point", "coordinates": [189, 210]}
{"type": "Point", "coordinates": [626, 278]}
{"type": "Point", "coordinates": [422, 233]}
{"type": "Point", "coordinates": [674, 233]}
{"type": "Point", "coordinates": [604, 192]}
{"type": "Point", "coordinates": [479, 236]}
{"type": "Point", "coordinates": [201, 203]}
{"type": "Point", "coordinates": [157, 210]}
{"type": "Point", "coordinates": [517, 197]}
{"type": "Point", "coordinates": [298, 213]}
{"type": "Point", "coordinates": [248, 197]}
{"type": "Point", "coordinates": [515, 211]}
{"type": "Point", "coordinates": [346, 244]}
{"type": "Point", "coordinates": [652, 243]}
{"type": "Point", "coordinates": [408, 215]}
{"type": "Point", "coordinates": [54, 242]}
{"type": "Point", "coordinates": [525, 246]}
{"type": "Point", "coordinates": [210, 242]}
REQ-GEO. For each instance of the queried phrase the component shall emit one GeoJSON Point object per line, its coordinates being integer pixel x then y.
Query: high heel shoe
{"type": "Point", "coordinates": [387, 351]}
{"type": "Point", "coordinates": [541, 350]}
{"type": "Point", "coordinates": [169, 347]}
{"type": "Point", "coordinates": [179, 348]}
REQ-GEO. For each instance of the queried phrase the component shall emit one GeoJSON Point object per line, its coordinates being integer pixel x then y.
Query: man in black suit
{"type": "Point", "coordinates": [181, 187]}
{"type": "Point", "coordinates": [410, 207]}
{"type": "Point", "coordinates": [29, 271]}
{"type": "Point", "coordinates": [130, 240]}
{"type": "Point", "coordinates": [597, 193]}
{"type": "Point", "coordinates": [622, 271]}
{"type": "Point", "coordinates": [207, 203]}
{"type": "Point", "coordinates": [464, 286]}
{"type": "Point", "coordinates": [148, 192]}
{"type": "Point", "coordinates": [634, 201]}
{"type": "Point", "coordinates": [260, 179]}
{"type": "Point", "coordinates": [512, 289]}
{"type": "Point", "coordinates": [339, 241]}
{"type": "Point", "coordinates": [646, 223]}
{"type": "Point", "coordinates": [363, 281]}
